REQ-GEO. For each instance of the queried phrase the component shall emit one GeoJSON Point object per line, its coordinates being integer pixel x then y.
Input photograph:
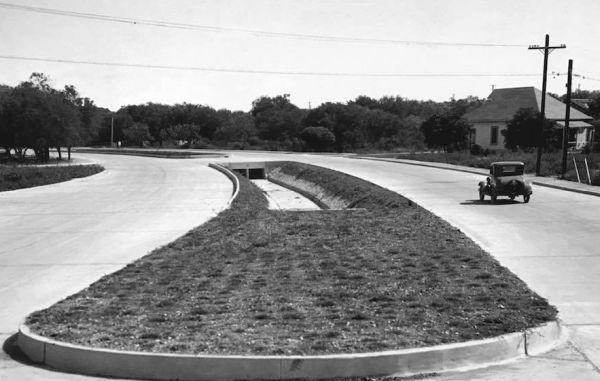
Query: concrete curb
{"type": "Point", "coordinates": [159, 366]}
{"type": "Point", "coordinates": [450, 167]}
{"type": "Point", "coordinates": [231, 176]}
{"type": "Point", "coordinates": [305, 194]}
{"type": "Point", "coordinates": [564, 188]}
{"type": "Point", "coordinates": [476, 171]}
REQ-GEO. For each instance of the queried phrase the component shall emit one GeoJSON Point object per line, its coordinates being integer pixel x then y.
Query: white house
{"type": "Point", "coordinates": [490, 119]}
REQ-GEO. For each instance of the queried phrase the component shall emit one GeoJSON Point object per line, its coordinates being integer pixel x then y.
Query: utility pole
{"type": "Point", "coordinates": [565, 135]}
{"type": "Point", "coordinates": [547, 50]}
{"type": "Point", "coordinates": [112, 129]}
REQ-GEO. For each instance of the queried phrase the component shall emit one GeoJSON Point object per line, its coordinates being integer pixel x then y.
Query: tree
{"type": "Point", "coordinates": [378, 127]}
{"type": "Point", "coordinates": [344, 121]}
{"type": "Point", "coordinates": [446, 130]}
{"type": "Point", "coordinates": [410, 134]}
{"type": "Point", "coordinates": [277, 118]}
{"type": "Point", "coordinates": [205, 118]}
{"type": "Point", "coordinates": [317, 138]}
{"type": "Point", "coordinates": [238, 127]}
{"type": "Point", "coordinates": [154, 115]}
{"type": "Point", "coordinates": [117, 122]}
{"type": "Point", "coordinates": [523, 129]}
{"type": "Point", "coordinates": [36, 116]}
{"type": "Point", "coordinates": [7, 124]}
{"type": "Point", "coordinates": [137, 133]}
{"type": "Point", "coordinates": [188, 133]}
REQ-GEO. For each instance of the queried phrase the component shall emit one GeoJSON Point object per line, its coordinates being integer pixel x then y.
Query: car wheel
{"type": "Point", "coordinates": [512, 197]}
{"type": "Point", "coordinates": [493, 197]}
{"type": "Point", "coordinates": [526, 198]}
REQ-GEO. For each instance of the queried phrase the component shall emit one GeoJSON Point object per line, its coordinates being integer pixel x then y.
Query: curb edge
{"type": "Point", "coordinates": [406, 362]}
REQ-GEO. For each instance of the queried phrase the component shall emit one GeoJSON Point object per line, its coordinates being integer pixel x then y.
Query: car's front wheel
{"type": "Point", "coordinates": [526, 198]}
{"type": "Point", "coordinates": [494, 198]}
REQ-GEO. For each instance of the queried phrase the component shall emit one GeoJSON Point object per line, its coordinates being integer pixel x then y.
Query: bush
{"type": "Point", "coordinates": [317, 138]}
{"type": "Point", "coordinates": [476, 149]}
{"type": "Point", "coordinates": [12, 176]}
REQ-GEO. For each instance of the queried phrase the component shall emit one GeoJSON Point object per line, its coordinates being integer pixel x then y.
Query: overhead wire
{"type": "Point", "coordinates": [251, 71]}
{"type": "Point", "coordinates": [209, 28]}
{"type": "Point", "coordinates": [582, 76]}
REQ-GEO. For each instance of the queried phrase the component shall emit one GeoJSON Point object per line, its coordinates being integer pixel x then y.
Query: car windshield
{"type": "Point", "coordinates": [509, 170]}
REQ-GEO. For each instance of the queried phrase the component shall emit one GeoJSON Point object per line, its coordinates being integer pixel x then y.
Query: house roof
{"type": "Point", "coordinates": [502, 104]}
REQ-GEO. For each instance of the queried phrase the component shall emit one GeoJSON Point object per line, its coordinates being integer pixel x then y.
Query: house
{"type": "Point", "coordinates": [491, 118]}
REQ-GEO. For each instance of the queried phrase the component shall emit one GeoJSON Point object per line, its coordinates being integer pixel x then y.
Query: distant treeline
{"type": "Point", "coordinates": [275, 123]}
{"type": "Point", "coordinates": [35, 116]}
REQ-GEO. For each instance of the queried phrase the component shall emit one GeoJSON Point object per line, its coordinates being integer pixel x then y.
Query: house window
{"type": "Point", "coordinates": [494, 136]}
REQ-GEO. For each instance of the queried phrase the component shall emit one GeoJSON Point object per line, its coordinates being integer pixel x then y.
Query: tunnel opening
{"type": "Point", "coordinates": [250, 170]}
{"type": "Point", "coordinates": [256, 173]}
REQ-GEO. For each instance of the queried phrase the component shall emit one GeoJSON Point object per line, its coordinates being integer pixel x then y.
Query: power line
{"type": "Point", "coordinates": [582, 76]}
{"type": "Point", "coordinates": [250, 71]}
{"type": "Point", "coordinates": [585, 77]}
{"type": "Point", "coordinates": [209, 28]}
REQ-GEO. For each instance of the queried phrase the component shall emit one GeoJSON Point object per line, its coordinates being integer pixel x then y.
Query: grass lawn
{"type": "Point", "coordinates": [26, 176]}
{"type": "Point", "coordinates": [264, 282]}
{"type": "Point", "coordinates": [551, 164]}
{"type": "Point", "coordinates": [152, 152]}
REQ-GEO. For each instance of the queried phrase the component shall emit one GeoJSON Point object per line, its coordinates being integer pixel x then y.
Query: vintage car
{"type": "Point", "coordinates": [506, 179]}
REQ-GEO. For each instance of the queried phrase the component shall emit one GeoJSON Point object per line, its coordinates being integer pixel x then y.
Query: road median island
{"type": "Point", "coordinates": [13, 177]}
{"type": "Point", "coordinates": [149, 152]}
{"type": "Point", "coordinates": [256, 282]}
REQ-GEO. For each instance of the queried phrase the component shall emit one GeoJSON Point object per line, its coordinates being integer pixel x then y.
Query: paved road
{"type": "Point", "coordinates": [57, 239]}
{"type": "Point", "coordinates": [550, 243]}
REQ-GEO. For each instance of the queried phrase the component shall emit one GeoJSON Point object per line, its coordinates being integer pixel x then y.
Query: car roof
{"type": "Point", "coordinates": [508, 163]}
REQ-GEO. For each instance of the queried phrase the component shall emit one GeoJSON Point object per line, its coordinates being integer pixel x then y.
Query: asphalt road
{"type": "Point", "coordinates": [55, 240]}
{"type": "Point", "coordinates": [550, 243]}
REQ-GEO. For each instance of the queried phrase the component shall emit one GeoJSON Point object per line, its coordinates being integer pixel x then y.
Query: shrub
{"type": "Point", "coordinates": [476, 149]}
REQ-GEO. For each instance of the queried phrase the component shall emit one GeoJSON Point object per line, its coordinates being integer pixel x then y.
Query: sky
{"type": "Point", "coordinates": [227, 53]}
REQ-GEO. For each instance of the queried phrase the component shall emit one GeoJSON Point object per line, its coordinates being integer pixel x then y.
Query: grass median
{"type": "Point", "coordinates": [26, 176]}
{"type": "Point", "coordinates": [263, 282]}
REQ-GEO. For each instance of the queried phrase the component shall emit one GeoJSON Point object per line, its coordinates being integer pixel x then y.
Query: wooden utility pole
{"type": "Point", "coordinates": [547, 50]}
{"type": "Point", "coordinates": [565, 135]}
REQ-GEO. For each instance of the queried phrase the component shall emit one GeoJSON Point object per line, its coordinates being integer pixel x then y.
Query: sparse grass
{"type": "Point", "coordinates": [256, 281]}
{"type": "Point", "coordinates": [26, 176]}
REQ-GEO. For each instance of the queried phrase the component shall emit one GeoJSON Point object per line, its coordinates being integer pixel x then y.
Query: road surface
{"type": "Point", "coordinates": [550, 243]}
{"type": "Point", "coordinates": [57, 239]}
